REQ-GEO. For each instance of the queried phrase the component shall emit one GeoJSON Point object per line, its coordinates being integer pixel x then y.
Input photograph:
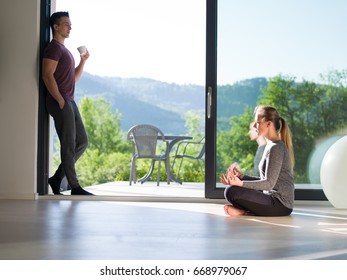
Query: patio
{"type": "Point", "coordinates": [146, 192]}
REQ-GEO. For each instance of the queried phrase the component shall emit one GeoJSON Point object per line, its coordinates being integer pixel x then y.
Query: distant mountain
{"type": "Point", "coordinates": [141, 100]}
{"type": "Point", "coordinates": [233, 99]}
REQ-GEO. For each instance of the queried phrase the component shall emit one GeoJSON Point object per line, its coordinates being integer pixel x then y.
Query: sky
{"type": "Point", "coordinates": [165, 39]}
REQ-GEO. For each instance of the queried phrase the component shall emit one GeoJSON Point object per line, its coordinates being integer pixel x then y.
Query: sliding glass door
{"type": "Point", "coordinates": [285, 53]}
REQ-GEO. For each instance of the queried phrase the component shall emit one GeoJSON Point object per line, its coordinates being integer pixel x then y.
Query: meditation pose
{"type": "Point", "coordinates": [272, 193]}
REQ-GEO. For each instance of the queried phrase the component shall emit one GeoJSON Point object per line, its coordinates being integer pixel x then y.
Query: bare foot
{"type": "Point", "coordinates": [233, 212]}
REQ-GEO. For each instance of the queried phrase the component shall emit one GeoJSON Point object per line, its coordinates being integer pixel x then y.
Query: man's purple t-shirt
{"type": "Point", "coordinates": [65, 72]}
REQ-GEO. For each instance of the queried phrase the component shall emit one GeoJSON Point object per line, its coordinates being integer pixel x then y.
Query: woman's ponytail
{"type": "Point", "coordinates": [286, 137]}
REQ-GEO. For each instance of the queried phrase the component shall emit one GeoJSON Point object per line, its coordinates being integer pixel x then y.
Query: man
{"type": "Point", "coordinates": [60, 75]}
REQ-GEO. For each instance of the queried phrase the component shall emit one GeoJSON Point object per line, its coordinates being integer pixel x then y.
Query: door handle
{"type": "Point", "coordinates": [209, 101]}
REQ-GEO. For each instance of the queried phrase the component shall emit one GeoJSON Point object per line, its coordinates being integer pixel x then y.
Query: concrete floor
{"type": "Point", "coordinates": [135, 228]}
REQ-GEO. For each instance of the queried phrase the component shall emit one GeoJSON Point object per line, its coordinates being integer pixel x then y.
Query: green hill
{"type": "Point", "coordinates": [141, 100]}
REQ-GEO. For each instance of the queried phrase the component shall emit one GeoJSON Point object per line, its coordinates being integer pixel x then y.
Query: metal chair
{"type": "Point", "coordinates": [144, 139]}
{"type": "Point", "coordinates": [199, 156]}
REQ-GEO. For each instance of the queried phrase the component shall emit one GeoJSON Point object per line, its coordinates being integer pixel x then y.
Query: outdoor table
{"type": "Point", "coordinates": [172, 141]}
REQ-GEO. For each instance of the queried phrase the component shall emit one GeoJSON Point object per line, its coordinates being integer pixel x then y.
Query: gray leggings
{"type": "Point", "coordinates": [255, 202]}
{"type": "Point", "coordinates": [72, 135]}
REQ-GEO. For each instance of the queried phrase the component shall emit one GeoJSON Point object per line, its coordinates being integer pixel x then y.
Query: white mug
{"type": "Point", "coordinates": [82, 49]}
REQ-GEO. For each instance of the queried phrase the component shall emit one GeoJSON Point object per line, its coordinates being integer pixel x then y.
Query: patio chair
{"type": "Point", "coordinates": [144, 139]}
{"type": "Point", "coordinates": [199, 155]}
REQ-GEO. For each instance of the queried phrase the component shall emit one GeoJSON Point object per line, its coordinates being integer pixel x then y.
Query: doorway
{"type": "Point", "coordinates": [146, 56]}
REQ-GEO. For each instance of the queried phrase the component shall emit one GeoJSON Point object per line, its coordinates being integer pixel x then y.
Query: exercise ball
{"type": "Point", "coordinates": [332, 174]}
{"type": "Point", "coordinates": [316, 158]}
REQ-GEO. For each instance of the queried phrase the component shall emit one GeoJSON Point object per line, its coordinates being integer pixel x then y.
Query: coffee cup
{"type": "Point", "coordinates": [82, 49]}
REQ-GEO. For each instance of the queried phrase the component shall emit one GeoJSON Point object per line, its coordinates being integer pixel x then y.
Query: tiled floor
{"type": "Point", "coordinates": [106, 227]}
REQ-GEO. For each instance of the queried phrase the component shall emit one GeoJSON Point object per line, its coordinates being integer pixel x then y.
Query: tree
{"type": "Point", "coordinates": [108, 155]}
{"type": "Point", "coordinates": [102, 125]}
{"type": "Point", "coordinates": [312, 111]}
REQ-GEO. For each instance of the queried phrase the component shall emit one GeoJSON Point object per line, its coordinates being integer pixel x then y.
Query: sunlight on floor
{"type": "Point", "coordinates": [207, 208]}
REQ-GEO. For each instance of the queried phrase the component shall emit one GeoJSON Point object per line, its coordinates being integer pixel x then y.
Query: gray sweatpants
{"type": "Point", "coordinates": [72, 135]}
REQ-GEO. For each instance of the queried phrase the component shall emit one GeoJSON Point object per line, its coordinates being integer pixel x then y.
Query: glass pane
{"type": "Point", "coordinates": [290, 54]}
{"type": "Point", "coordinates": [147, 59]}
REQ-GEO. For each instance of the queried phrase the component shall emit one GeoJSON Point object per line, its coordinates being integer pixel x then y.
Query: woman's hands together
{"type": "Point", "coordinates": [232, 176]}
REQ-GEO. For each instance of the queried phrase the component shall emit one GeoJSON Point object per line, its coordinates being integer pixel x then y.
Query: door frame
{"type": "Point", "coordinates": [43, 117]}
{"type": "Point", "coordinates": [210, 100]}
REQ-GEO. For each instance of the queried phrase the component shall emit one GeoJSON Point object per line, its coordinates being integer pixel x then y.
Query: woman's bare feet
{"type": "Point", "coordinates": [232, 211]}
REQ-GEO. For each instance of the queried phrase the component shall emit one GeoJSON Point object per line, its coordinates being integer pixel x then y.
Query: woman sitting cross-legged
{"type": "Point", "coordinates": [272, 194]}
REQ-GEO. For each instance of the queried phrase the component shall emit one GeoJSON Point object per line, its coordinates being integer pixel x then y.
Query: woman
{"type": "Point", "coordinates": [273, 193]}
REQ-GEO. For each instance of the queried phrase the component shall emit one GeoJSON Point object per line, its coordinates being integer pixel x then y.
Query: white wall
{"type": "Point", "coordinates": [19, 68]}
